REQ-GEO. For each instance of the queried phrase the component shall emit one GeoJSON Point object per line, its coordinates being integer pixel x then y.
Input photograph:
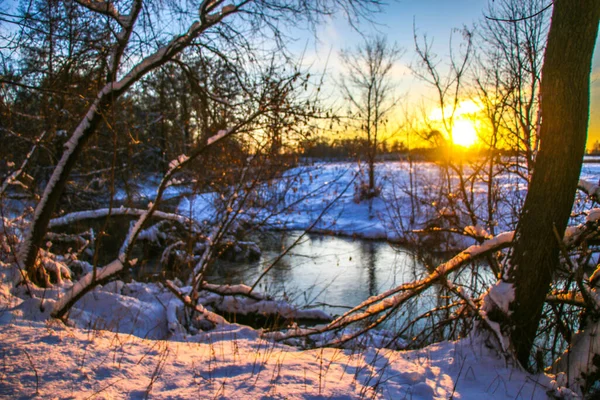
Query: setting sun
{"type": "Point", "coordinates": [464, 129]}
{"type": "Point", "coordinates": [464, 133]}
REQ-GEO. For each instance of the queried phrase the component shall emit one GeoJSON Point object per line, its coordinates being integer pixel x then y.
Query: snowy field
{"type": "Point", "coordinates": [331, 186]}
{"type": "Point", "coordinates": [125, 341]}
{"type": "Point", "coordinates": [325, 192]}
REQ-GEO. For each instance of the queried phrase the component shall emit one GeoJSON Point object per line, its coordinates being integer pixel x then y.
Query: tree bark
{"type": "Point", "coordinates": [56, 185]}
{"type": "Point", "coordinates": [565, 111]}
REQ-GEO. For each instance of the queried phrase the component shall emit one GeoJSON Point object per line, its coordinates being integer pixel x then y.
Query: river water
{"type": "Point", "coordinates": [331, 272]}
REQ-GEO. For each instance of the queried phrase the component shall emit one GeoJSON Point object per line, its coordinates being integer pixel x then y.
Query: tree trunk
{"type": "Point", "coordinates": [565, 111]}
{"type": "Point", "coordinates": [55, 186]}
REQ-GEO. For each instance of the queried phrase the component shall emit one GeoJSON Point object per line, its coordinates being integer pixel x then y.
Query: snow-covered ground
{"type": "Point", "coordinates": [306, 190]}
{"type": "Point", "coordinates": [124, 341]}
{"type": "Point", "coordinates": [45, 359]}
{"type": "Point", "coordinates": [332, 186]}
{"type": "Point", "coordinates": [315, 187]}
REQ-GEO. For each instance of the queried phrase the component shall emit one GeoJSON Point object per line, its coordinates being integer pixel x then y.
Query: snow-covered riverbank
{"type": "Point", "coordinates": [124, 341]}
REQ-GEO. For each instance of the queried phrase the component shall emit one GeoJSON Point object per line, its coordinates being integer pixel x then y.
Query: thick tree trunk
{"type": "Point", "coordinates": [565, 111]}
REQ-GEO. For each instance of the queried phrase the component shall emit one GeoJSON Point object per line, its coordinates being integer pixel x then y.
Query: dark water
{"type": "Point", "coordinates": [328, 271]}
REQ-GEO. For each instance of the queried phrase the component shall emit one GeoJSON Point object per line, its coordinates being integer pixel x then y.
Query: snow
{"type": "Point", "coordinates": [70, 218]}
{"type": "Point", "coordinates": [176, 163]}
{"type": "Point", "coordinates": [593, 215]}
{"type": "Point", "coordinates": [55, 264]}
{"type": "Point", "coordinates": [306, 190]}
{"type": "Point", "coordinates": [233, 289]}
{"type": "Point", "coordinates": [220, 135]}
{"type": "Point", "coordinates": [501, 294]}
{"type": "Point", "coordinates": [590, 188]}
{"type": "Point", "coordinates": [128, 340]}
{"type": "Point", "coordinates": [59, 171]}
{"type": "Point", "coordinates": [579, 360]}
{"type": "Point", "coordinates": [315, 187]}
{"type": "Point", "coordinates": [152, 234]}
{"type": "Point", "coordinates": [477, 232]}
{"type": "Point", "coordinates": [46, 359]}
{"type": "Point", "coordinates": [111, 89]}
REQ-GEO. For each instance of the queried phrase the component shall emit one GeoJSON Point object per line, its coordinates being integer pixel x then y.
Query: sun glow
{"type": "Point", "coordinates": [465, 107]}
{"type": "Point", "coordinates": [464, 133]}
{"type": "Point", "coordinates": [464, 130]}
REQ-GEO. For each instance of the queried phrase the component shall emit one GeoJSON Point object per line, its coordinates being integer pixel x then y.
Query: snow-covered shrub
{"type": "Point", "coordinates": [362, 191]}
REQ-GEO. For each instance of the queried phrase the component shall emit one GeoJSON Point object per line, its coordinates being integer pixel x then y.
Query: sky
{"type": "Point", "coordinates": [438, 19]}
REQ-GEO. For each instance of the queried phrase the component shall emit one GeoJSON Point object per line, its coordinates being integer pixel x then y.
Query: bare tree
{"type": "Point", "coordinates": [139, 32]}
{"type": "Point", "coordinates": [369, 89]}
{"type": "Point", "coordinates": [513, 41]}
{"type": "Point", "coordinates": [270, 92]}
{"type": "Point", "coordinates": [534, 275]}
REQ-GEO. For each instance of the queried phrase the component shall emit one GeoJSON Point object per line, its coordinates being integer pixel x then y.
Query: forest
{"type": "Point", "coordinates": [193, 205]}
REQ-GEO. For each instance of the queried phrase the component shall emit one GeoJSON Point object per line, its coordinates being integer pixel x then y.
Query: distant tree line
{"type": "Point", "coordinates": [347, 149]}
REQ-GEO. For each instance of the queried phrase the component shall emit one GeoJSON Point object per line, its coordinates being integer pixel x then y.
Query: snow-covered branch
{"type": "Point", "coordinates": [397, 296]}
{"type": "Point", "coordinates": [82, 286]}
{"type": "Point", "coordinates": [579, 361]}
{"type": "Point", "coordinates": [591, 189]}
{"type": "Point", "coordinates": [198, 308]}
{"type": "Point", "coordinates": [70, 218]}
{"type": "Point", "coordinates": [92, 118]}
{"type": "Point", "coordinates": [104, 7]}
{"type": "Point", "coordinates": [87, 282]}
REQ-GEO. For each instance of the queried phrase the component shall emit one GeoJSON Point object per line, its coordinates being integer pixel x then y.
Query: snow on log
{"type": "Point", "coordinates": [55, 264]}
{"type": "Point", "coordinates": [232, 290]}
{"type": "Point", "coordinates": [247, 306]}
{"type": "Point", "coordinates": [187, 301]}
{"type": "Point", "coordinates": [81, 286]}
{"type": "Point", "coordinates": [70, 218]}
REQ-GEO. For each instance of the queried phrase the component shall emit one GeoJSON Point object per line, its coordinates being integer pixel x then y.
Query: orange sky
{"type": "Point", "coordinates": [437, 19]}
{"type": "Point", "coordinates": [594, 130]}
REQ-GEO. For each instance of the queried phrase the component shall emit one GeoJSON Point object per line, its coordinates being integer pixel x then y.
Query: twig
{"type": "Point", "coordinates": [158, 369]}
{"type": "Point", "coordinates": [314, 223]}
{"type": "Point", "coordinates": [522, 18]}
{"type": "Point", "coordinates": [37, 378]}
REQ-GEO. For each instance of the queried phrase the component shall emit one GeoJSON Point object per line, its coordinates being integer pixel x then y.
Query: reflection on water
{"type": "Point", "coordinates": [334, 271]}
